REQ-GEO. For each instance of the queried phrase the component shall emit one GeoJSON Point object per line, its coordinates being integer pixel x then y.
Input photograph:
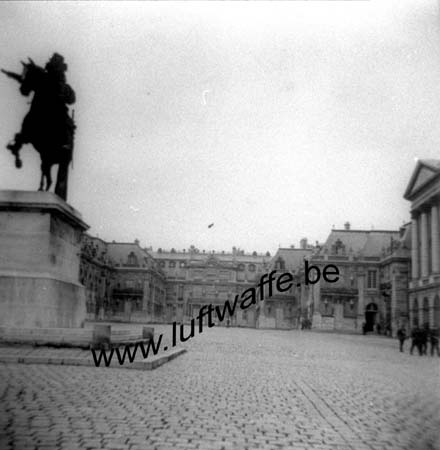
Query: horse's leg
{"type": "Point", "coordinates": [42, 178]}
{"type": "Point", "coordinates": [48, 177]}
{"type": "Point", "coordinates": [63, 174]}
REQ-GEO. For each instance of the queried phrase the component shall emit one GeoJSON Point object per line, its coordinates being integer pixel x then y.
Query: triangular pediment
{"type": "Point", "coordinates": [209, 261]}
{"type": "Point", "coordinates": [422, 175]}
{"type": "Point", "coordinates": [212, 261]}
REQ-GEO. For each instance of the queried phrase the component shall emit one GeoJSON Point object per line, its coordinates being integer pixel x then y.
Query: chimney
{"type": "Point", "coordinates": [347, 225]}
{"type": "Point", "coordinates": [136, 241]}
{"type": "Point", "coordinates": [303, 243]}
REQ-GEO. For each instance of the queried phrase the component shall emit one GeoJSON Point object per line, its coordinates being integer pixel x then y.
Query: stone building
{"type": "Point", "coordinates": [394, 280]}
{"type": "Point", "coordinates": [386, 278]}
{"type": "Point", "coordinates": [122, 280]}
{"type": "Point", "coordinates": [196, 278]}
{"type": "Point", "coordinates": [371, 289]}
{"type": "Point", "coordinates": [97, 274]}
{"type": "Point", "coordinates": [139, 288]}
{"type": "Point", "coordinates": [423, 192]}
{"type": "Point", "coordinates": [283, 309]}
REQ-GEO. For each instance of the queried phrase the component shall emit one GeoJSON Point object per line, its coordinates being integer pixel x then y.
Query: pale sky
{"type": "Point", "coordinates": [273, 120]}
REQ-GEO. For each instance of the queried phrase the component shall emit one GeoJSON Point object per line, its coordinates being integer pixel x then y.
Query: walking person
{"type": "Point", "coordinates": [415, 341]}
{"type": "Point", "coordinates": [424, 335]}
{"type": "Point", "coordinates": [433, 338]}
{"type": "Point", "coordinates": [401, 335]}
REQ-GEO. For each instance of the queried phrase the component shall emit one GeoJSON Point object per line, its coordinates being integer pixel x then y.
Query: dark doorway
{"type": "Point", "coordinates": [370, 316]}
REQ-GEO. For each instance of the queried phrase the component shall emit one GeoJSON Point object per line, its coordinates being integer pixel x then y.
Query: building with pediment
{"type": "Point", "coordinates": [423, 192]}
{"type": "Point", "coordinates": [196, 278]}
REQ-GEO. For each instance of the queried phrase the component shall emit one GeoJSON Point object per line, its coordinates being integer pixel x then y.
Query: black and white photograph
{"type": "Point", "coordinates": [220, 225]}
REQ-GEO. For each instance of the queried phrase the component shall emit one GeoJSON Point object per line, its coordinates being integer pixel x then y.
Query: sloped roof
{"type": "Point", "coordinates": [365, 242]}
{"type": "Point", "coordinates": [406, 238]}
{"type": "Point", "coordinates": [404, 247]}
{"type": "Point", "coordinates": [97, 242]}
{"type": "Point", "coordinates": [293, 257]}
{"type": "Point", "coordinates": [119, 252]}
{"type": "Point", "coordinates": [433, 163]}
{"type": "Point", "coordinates": [426, 170]}
{"type": "Point", "coordinates": [377, 241]}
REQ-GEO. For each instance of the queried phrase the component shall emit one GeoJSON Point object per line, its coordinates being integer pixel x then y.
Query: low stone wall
{"type": "Point", "coordinates": [100, 335]}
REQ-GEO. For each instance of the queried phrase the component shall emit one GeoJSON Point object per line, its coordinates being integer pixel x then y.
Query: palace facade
{"type": "Point", "coordinates": [196, 278]}
{"type": "Point", "coordinates": [387, 279]}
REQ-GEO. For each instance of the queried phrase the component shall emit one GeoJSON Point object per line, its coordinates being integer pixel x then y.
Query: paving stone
{"type": "Point", "coordinates": [234, 389]}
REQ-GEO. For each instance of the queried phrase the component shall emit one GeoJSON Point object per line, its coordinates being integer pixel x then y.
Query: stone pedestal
{"type": "Point", "coordinates": [40, 245]}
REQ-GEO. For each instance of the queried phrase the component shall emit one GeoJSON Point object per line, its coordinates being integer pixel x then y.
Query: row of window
{"type": "Point", "coordinates": [172, 265]}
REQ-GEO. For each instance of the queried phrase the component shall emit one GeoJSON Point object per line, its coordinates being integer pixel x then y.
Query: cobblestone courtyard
{"type": "Point", "coordinates": [233, 389]}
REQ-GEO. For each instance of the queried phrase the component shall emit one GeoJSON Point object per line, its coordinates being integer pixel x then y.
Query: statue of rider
{"type": "Point", "coordinates": [56, 94]}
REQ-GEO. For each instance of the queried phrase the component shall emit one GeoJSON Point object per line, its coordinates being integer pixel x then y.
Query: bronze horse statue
{"type": "Point", "coordinates": [48, 125]}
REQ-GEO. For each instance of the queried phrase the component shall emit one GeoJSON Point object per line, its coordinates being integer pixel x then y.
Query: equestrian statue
{"type": "Point", "coordinates": [48, 126]}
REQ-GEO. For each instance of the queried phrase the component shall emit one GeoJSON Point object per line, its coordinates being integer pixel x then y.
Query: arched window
{"type": "Point", "coordinates": [280, 264]}
{"type": "Point", "coordinates": [132, 259]}
{"type": "Point", "coordinates": [425, 318]}
{"type": "Point", "coordinates": [415, 310]}
{"type": "Point", "coordinates": [338, 247]}
{"type": "Point", "coordinates": [251, 267]}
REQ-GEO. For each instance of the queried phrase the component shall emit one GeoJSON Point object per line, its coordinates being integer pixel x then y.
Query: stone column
{"type": "Point", "coordinates": [435, 238]}
{"type": "Point", "coordinates": [395, 313]}
{"type": "Point", "coordinates": [303, 297]}
{"type": "Point", "coordinates": [424, 247]}
{"type": "Point", "coordinates": [361, 300]}
{"type": "Point", "coordinates": [361, 294]}
{"type": "Point", "coordinates": [421, 313]}
{"type": "Point", "coordinates": [431, 313]}
{"type": "Point", "coordinates": [415, 247]}
{"type": "Point", "coordinates": [316, 298]}
{"type": "Point", "coordinates": [144, 295]}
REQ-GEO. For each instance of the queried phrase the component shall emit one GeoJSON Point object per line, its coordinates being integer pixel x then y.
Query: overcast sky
{"type": "Point", "coordinates": [273, 120]}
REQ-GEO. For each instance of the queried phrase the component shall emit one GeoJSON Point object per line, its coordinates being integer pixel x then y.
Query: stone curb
{"type": "Point", "coordinates": [149, 364]}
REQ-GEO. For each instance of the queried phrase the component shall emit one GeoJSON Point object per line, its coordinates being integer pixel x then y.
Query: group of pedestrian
{"type": "Point", "coordinates": [306, 324]}
{"type": "Point", "coordinates": [420, 338]}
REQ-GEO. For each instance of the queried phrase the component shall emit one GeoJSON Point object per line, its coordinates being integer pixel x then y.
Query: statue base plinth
{"type": "Point", "coordinates": [40, 246]}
